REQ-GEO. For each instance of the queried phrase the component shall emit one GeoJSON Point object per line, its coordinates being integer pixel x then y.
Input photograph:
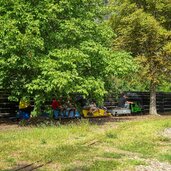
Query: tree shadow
{"type": "Point", "coordinates": [29, 167]}
{"type": "Point", "coordinates": [46, 121]}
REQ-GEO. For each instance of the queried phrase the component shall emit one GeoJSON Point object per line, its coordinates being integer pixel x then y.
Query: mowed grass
{"type": "Point", "coordinates": [85, 146]}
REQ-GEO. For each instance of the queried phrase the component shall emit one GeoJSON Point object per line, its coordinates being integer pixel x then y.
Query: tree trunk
{"type": "Point", "coordinates": [153, 107]}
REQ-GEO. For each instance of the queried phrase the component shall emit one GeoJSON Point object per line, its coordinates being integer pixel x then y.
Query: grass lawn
{"type": "Point", "coordinates": [86, 146]}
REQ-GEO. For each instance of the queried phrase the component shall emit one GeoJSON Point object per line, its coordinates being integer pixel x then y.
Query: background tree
{"type": "Point", "coordinates": [159, 9]}
{"type": "Point", "coordinates": [145, 37]}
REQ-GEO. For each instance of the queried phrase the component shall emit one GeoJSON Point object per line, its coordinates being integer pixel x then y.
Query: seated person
{"type": "Point", "coordinates": [81, 101]}
{"type": "Point", "coordinates": [71, 107]}
{"type": "Point", "coordinates": [25, 109]}
{"type": "Point", "coordinates": [56, 105]}
{"type": "Point", "coordinates": [93, 107]}
{"type": "Point", "coordinates": [123, 102]}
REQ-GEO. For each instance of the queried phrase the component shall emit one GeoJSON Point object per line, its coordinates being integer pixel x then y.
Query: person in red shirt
{"type": "Point", "coordinates": [55, 104]}
{"type": "Point", "coordinates": [58, 107]}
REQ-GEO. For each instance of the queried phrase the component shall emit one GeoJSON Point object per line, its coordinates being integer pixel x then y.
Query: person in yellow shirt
{"type": "Point", "coordinates": [25, 108]}
{"type": "Point", "coordinates": [23, 104]}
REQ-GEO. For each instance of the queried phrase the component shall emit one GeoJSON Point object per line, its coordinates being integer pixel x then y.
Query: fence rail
{"type": "Point", "coordinates": [7, 108]}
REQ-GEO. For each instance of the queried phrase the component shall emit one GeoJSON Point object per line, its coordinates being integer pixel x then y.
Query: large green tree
{"type": "Point", "coordinates": [141, 31]}
{"type": "Point", "coordinates": [56, 47]}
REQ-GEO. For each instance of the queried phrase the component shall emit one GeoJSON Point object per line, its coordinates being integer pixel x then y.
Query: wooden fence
{"type": "Point", "coordinates": [8, 108]}
{"type": "Point", "coordinates": [163, 101]}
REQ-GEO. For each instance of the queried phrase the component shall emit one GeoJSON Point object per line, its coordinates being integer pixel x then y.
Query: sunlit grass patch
{"type": "Point", "coordinates": [109, 165]}
{"type": "Point", "coordinates": [167, 124]}
{"type": "Point", "coordinates": [166, 157]}
{"type": "Point", "coordinates": [101, 165]}
{"type": "Point", "coordinates": [135, 162]}
{"type": "Point", "coordinates": [141, 137]}
{"type": "Point", "coordinates": [74, 168]}
{"type": "Point", "coordinates": [68, 153]}
{"type": "Point", "coordinates": [7, 163]}
{"type": "Point", "coordinates": [145, 148]}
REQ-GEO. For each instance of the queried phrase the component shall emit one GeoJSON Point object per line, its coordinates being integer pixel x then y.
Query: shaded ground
{"type": "Point", "coordinates": [13, 123]}
{"type": "Point", "coordinates": [23, 166]}
{"type": "Point", "coordinates": [6, 123]}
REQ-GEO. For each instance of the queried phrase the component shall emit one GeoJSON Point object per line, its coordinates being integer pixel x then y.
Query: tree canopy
{"type": "Point", "coordinates": [57, 47]}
